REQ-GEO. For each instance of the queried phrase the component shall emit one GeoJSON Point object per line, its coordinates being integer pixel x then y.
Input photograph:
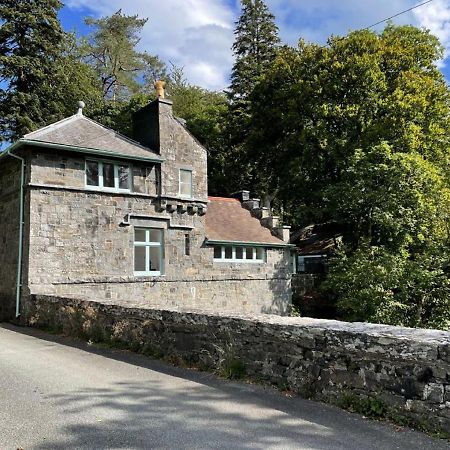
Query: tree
{"type": "Point", "coordinates": [317, 107]}
{"type": "Point", "coordinates": [357, 134]}
{"type": "Point", "coordinates": [41, 71]}
{"type": "Point", "coordinates": [256, 40]}
{"type": "Point", "coordinates": [111, 50]}
{"type": "Point", "coordinates": [255, 48]}
{"type": "Point", "coordinates": [30, 44]}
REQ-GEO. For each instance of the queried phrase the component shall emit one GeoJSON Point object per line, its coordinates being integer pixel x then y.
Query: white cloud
{"type": "Point", "coordinates": [198, 34]}
{"type": "Point", "coordinates": [195, 34]}
{"type": "Point", "coordinates": [436, 18]}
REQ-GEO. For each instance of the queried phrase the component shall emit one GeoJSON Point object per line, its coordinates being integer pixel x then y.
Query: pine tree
{"type": "Point", "coordinates": [111, 51]}
{"type": "Point", "coordinates": [30, 43]}
{"type": "Point", "coordinates": [254, 47]}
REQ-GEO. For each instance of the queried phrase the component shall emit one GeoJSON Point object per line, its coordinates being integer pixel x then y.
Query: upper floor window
{"type": "Point", "coordinates": [185, 189]}
{"type": "Point", "coordinates": [148, 251]}
{"type": "Point", "coordinates": [107, 175]}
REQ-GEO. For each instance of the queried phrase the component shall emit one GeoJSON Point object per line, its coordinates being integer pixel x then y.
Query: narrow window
{"type": "Point", "coordinates": [217, 252]}
{"type": "Point", "coordinates": [148, 251]}
{"type": "Point", "coordinates": [92, 173]}
{"type": "Point", "coordinates": [187, 244]}
{"type": "Point", "coordinates": [108, 175]}
{"type": "Point", "coordinates": [123, 173]}
{"type": "Point", "coordinates": [185, 183]}
{"type": "Point", "coordinates": [228, 252]}
{"type": "Point", "coordinates": [260, 253]}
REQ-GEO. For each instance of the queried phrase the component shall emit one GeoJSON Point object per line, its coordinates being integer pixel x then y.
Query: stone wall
{"type": "Point", "coordinates": [9, 234]}
{"type": "Point", "coordinates": [404, 370]}
{"type": "Point", "coordinates": [81, 244]}
{"type": "Point", "coordinates": [303, 283]}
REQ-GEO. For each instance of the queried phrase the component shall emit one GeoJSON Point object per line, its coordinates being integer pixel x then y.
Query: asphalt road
{"type": "Point", "coordinates": [58, 393]}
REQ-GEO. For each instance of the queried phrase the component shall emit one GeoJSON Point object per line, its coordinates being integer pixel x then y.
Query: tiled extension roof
{"type": "Point", "coordinates": [228, 221]}
{"type": "Point", "coordinates": [80, 132]}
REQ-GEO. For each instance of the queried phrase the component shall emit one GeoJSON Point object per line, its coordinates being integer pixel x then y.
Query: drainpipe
{"type": "Point", "coordinates": [21, 223]}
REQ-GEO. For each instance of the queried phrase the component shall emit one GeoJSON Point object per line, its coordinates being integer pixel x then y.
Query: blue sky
{"type": "Point", "coordinates": [198, 34]}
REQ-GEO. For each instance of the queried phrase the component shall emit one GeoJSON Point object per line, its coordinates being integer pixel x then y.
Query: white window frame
{"type": "Point", "coordinates": [149, 244]}
{"type": "Point", "coordinates": [245, 260]}
{"type": "Point", "coordinates": [100, 186]}
{"type": "Point", "coordinates": [180, 183]}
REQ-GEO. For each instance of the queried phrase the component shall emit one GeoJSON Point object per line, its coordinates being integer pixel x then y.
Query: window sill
{"type": "Point", "coordinates": [110, 190]}
{"type": "Point", "coordinates": [239, 261]}
{"type": "Point", "coordinates": [148, 275]}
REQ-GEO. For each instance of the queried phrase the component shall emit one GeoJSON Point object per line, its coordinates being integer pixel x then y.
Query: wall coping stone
{"type": "Point", "coordinates": [415, 335]}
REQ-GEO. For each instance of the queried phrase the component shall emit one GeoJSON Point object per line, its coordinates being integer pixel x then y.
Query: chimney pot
{"type": "Point", "coordinates": [159, 87]}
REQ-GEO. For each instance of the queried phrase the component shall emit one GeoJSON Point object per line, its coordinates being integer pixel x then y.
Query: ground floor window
{"type": "Point", "coordinates": [311, 264]}
{"type": "Point", "coordinates": [226, 253]}
{"type": "Point", "coordinates": [148, 251]}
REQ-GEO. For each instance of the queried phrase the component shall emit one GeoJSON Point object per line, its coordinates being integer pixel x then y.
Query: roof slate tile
{"type": "Point", "coordinates": [228, 220]}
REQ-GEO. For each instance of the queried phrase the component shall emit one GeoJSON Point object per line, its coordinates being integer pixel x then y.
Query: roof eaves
{"type": "Point", "coordinates": [85, 150]}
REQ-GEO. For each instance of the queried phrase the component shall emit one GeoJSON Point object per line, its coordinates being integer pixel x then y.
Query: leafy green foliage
{"type": "Point", "coordinates": [357, 134]}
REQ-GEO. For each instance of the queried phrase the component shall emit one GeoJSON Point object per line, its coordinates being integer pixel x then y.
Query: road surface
{"type": "Point", "coordinates": [57, 393]}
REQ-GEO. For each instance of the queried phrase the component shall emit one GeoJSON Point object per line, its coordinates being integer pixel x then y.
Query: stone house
{"type": "Point", "coordinates": [88, 213]}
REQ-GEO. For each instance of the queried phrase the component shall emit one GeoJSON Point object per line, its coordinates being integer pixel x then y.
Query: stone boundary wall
{"type": "Point", "coordinates": [404, 370]}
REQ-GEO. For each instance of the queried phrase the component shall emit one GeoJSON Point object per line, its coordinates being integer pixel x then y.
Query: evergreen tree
{"type": "Point", "coordinates": [111, 51]}
{"type": "Point", "coordinates": [30, 44]}
{"type": "Point", "coordinates": [254, 47]}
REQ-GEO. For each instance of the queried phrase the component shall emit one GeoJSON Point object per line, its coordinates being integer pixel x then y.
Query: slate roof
{"type": "Point", "coordinates": [81, 132]}
{"type": "Point", "coordinates": [317, 239]}
{"type": "Point", "coordinates": [227, 220]}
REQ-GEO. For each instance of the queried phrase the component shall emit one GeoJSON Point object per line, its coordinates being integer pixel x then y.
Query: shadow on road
{"type": "Point", "coordinates": [198, 410]}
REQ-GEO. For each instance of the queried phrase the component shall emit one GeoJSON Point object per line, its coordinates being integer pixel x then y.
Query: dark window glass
{"type": "Point", "coordinates": [124, 177]}
{"type": "Point", "coordinates": [228, 252]}
{"type": "Point", "coordinates": [155, 259]}
{"type": "Point", "coordinates": [108, 175]}
{"type": "Point", "coordinates": [139, 235]}
{"type": "Point", "coordinates": [155, 235]}
{"type": "Point", "coordinates": [249, 253]}
{"type": "Point", "coordinates": [314, 265]}
{"type": "Point", "coordinates": [187, 244]}
{"type": "Point", "coordinates": [139, 259]}
{"type": "Point", "coordinates": [239, 253]}
{"type": "Point", "coordinates": [217, 252]}
{"type": "Point", "coordinates": [92, 173]}
{"type": "Point", "coordinates": [260, 253]}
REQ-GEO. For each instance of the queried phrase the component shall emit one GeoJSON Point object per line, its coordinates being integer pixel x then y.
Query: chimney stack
{"type": "Point", "coordinates": [150, 122]}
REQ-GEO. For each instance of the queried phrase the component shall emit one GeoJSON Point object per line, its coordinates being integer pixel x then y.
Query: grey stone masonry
{"type": "Point", "coordinates": [406, 370]}
{"type": "Point", "coordinates": [80, 239]}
